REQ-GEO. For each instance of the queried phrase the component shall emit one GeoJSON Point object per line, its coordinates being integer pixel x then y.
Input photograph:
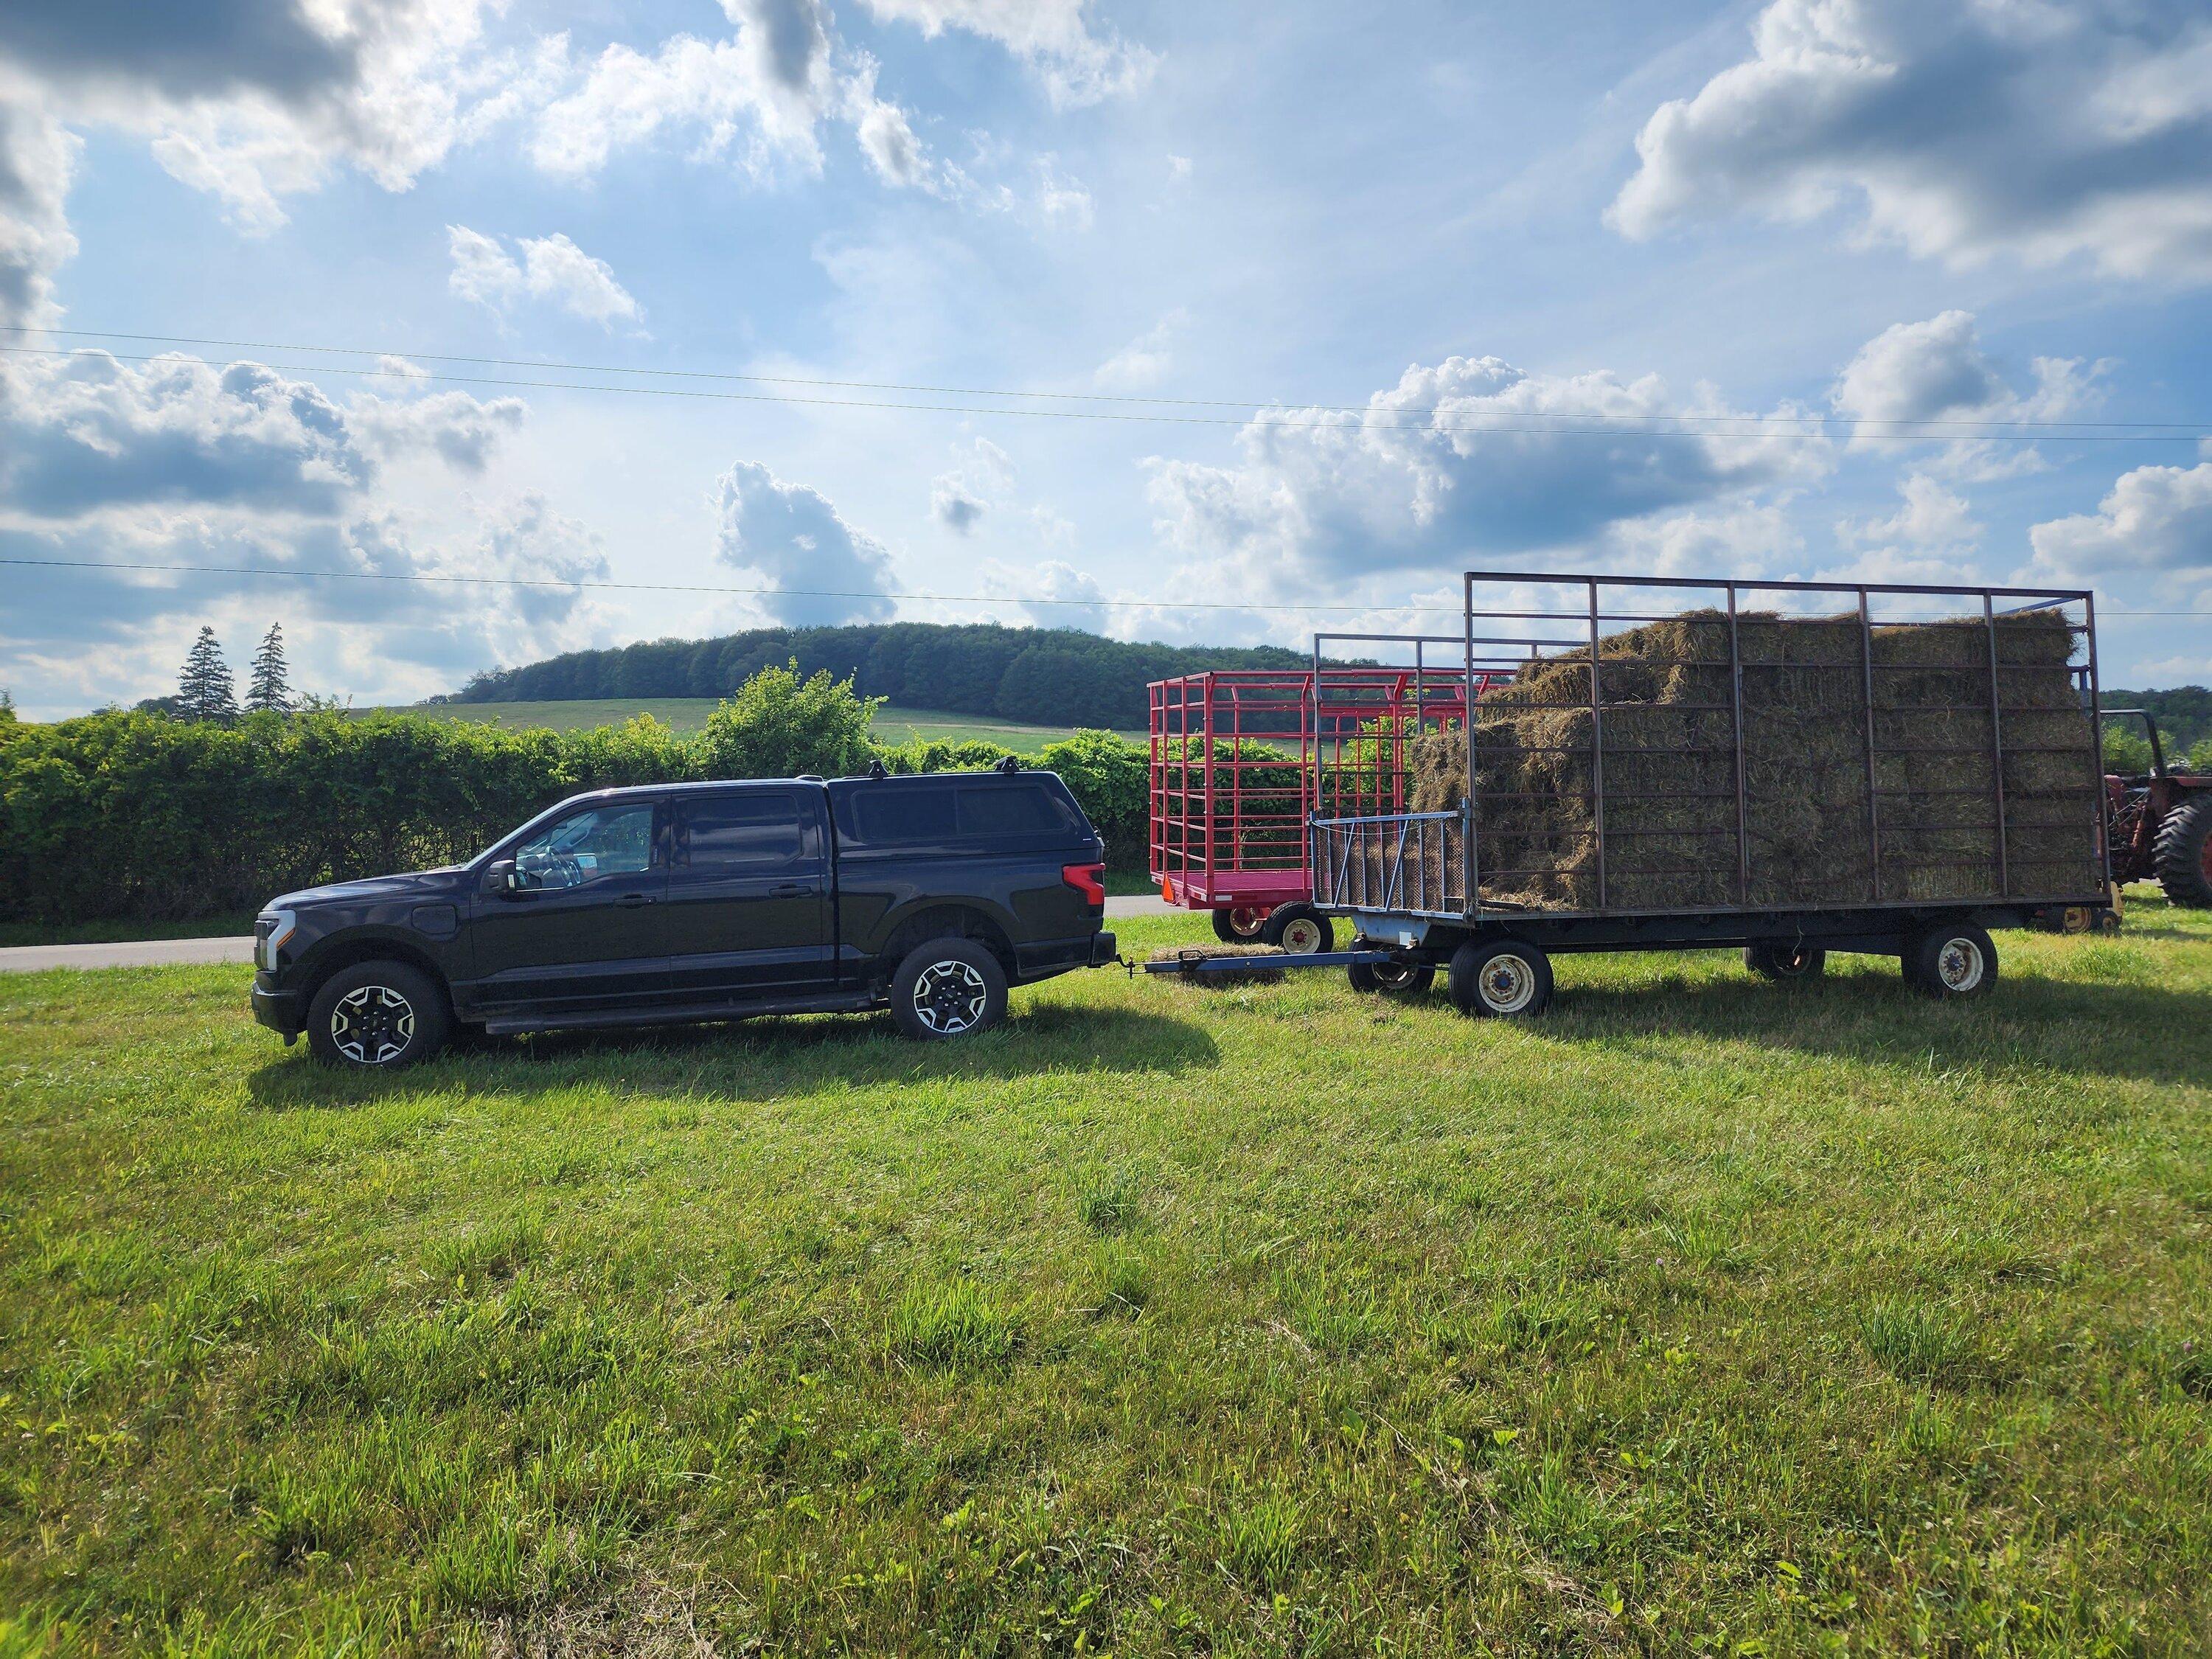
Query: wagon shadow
{"type": "Point", "coordinates": [761, 1059]}
{"type": "Point", "coordinates": [2114, 1030]}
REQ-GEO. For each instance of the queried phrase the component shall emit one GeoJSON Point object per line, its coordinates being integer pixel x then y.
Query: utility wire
{"type": "Point", "coordinates": [1991, 430]}
{"type": "Point", "coordinates": [791, 592]}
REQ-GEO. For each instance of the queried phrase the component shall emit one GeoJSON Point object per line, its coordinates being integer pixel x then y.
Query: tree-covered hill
{"type": "Point", "coordinates": [2184, 712]}
{"type": "Point", "coordinates": [1044, 675]}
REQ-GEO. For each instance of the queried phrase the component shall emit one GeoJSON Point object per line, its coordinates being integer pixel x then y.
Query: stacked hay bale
{"type": "Point", "coordinates": [1669, 760]}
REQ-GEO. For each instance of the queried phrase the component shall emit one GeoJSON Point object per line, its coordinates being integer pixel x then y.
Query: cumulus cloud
{"type": "Point", "coordinates": [551, 268]}
{"type": "Point", "coordinates": [1079, 65]}
{"type": "Point", "coordinates": [952, 506]}
{"type": "Point", "coordinates": [1145, 360]}
{"type": "Point", "coordinates": [1066, 596]}
{"type": "Point", "coordinates": [1932, 536]}
{"type": "Point", "coordinates": [1746, 541]}
{"type": "Point", "coordinates": [36, 157]}
{"type": "Point", "coordinates": [2156, 519]}
{"type": "Point", "coordinates": [1471, 456]}
{"type": "Point", "coordinates": [793, 538]}
{"type": "Point", "coordinates": [94, 433]}
{"type": "Point", "coordinates": [2045, 130]}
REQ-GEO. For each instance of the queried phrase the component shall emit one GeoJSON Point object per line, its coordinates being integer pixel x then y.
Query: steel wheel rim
{"type": "Point", "coordinates": [1244, 922]}
{"type": "Point", "coordinates": [372, 1024]}
{"type": "Point", "coordinates": [1506, 984]}
{"type": "Point", "coordinates": [1395, 975]}
{"type": "Point", "coordinates": [1789, 963]}
{"type": "Point", "coordinates": [1302, 938]}
{"type": "Point", "coordinates": [1958, 964]}
{"type": "Point", "coordinates": [949, 997]}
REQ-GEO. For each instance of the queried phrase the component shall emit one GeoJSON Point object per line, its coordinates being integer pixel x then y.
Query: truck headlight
{"type": "Point", "coordinates": [283, 924]}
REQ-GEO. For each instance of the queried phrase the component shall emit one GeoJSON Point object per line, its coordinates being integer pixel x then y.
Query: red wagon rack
{"type": "Point", "coordinates": [1242, 758]}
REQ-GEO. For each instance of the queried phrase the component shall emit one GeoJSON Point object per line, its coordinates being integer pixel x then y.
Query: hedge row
{"type": "Point", "coordinates": [135, 815]}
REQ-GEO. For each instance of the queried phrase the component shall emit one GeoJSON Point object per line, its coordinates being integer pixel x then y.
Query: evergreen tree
{"type": "Point", "coordinates": [270, 687]}
{"type": "Point", "coordinates": [203, 688]}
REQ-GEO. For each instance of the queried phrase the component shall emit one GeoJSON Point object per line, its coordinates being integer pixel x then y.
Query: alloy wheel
{"type": "Point", "coordinates": [949, 997]}
{"type": "Point", "coordinates": [372, 1024]}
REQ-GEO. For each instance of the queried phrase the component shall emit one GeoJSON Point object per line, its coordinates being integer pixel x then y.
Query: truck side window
{"type": "Point", "coordinates": [600, 840]}
{"type": "Point", "coordinates": [1013, 809]}
{"type": "Point", "coordinates": [757, 830]}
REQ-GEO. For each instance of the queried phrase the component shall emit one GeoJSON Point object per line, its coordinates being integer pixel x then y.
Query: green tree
{"type": "Point", "coordinates": [203, 688]}
{"type": "Point", "coordinates": [270, 686]}
{"type": "Point", "coordinates": [779, 726]}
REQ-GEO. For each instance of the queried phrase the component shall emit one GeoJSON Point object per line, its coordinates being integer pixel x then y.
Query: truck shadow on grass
{"type": "Point", "coordinates": [759, 1060]}
{"type": "Point", "coordinates": [2117, 1029]}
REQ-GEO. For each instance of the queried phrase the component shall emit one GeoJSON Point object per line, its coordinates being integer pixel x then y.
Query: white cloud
{"type": "Point", "coordinates": [2156, 519]}
{"type": "Point", "coordinates": [1747, 541]}
{"type": "Point", "coordinates": [793, 539]}
{"type": "Point", "coordinates": [1145, 360]}
{"type": "Point", "coordinates": [958, 499]}
{"type": "Point", "coordinates": [1061, 200]}
{"type": "Point", "coordinates": [1470, 457]}
{"type": "Point", "coordinates": [551, 268]}
{"type": "Point", "coordinates": [952, 505]}
{"type": "Point", "coordinates": [2042, 129]}
{"type": "Point", "coordinates": [36, 158]}
{"type": "Point", "coordinates": [1079, 65]}
{"type": "Point", "coordinates": [1933, 536]}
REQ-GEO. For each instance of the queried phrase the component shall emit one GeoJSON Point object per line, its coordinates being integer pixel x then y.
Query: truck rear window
{"type": "Point", "coordinates": [920, 815]}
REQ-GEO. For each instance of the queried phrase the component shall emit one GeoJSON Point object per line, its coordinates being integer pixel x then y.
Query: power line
{"type": "Point", "coordinates": [789, 593]}
{"type": "Point", "coordinates": [1920, 427]}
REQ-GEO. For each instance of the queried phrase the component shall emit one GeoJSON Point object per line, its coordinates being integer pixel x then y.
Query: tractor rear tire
{"type": "Point", "coordinates": [1772, 959]}
{"type": "Point", "coordinates": [1299, 929]}
{"type": "Point", "coordinates": [2182, 855]}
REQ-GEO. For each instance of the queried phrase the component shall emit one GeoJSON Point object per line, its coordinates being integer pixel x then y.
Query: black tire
{"type": "Point", "coordinates": [1502, 979]}
{"type": "Point", "coordinates": [377, 1017]}
{"type": "Point", "coordinates": [948, 988]}
{"type": "Point", "coordinates": [1951, 962]}
{"type": "Point", "coordinates": [1391, 979]}
{"type": "Point", "coordinates": [1772, 959]}
{"type": "Point", "coordinates": [1299, 929]}
{"type": "Point", "coordinates": [2181, 857]}
{"type": "Point", "coordinates": [1238, 925]}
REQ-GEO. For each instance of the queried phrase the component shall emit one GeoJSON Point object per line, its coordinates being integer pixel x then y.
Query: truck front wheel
{"type": "Point", "coordinates": [947, 988]}
{"type": "Point", "coordinates": [377, 1017]}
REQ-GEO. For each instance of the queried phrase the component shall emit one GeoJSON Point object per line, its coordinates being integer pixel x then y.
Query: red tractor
{"type": "Point", "coordinates": [2162, 825]}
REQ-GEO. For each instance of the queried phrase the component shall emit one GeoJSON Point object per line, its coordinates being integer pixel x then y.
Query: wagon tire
{"type": "Point", "coordinates": [1500, 979]}
{"type": "Point", "coordinates": [1408, 979]}
{"type": "Point", "coordinates": [2181, 857]}
{"type": "Point", "coordinates": [1238, 924]}
{"type": "Point", "coordinates": [1299, 930]}
{"type": "Point", "coordinates": [377, 1017]}
{"type": "Point", "coordinates": [1785, 963]}
{"type": "Point", "coordinates": [1951, 963]}
{"type": "Point", "coordinates": [947, 988]}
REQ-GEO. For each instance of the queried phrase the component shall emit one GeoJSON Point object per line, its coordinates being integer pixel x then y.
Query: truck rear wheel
{"type": "Point", "coordinates": [377, 1017]}
{"type": "Point", "coordinates": [1238, 924]}
{"type": "Point", "coordinates": [1299, 929]}
{"type": "Point", "coordinates": [948, 987]}
{"type": "Point", "coordinates": [1771, 959]}
{"type": "Point", "coordinates": [1951, 962]}
{"type": "Point", "coordinates": [2182, 855]}
{"type": "Point", "coordinates": [1503, 978]}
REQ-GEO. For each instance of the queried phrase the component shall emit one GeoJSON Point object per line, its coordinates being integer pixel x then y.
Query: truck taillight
{"type": "Point", "coordinates": [1088, 879]}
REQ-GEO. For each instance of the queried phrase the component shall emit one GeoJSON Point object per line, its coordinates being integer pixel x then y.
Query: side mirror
{"type": "Point", "coordinates": [504, 878]}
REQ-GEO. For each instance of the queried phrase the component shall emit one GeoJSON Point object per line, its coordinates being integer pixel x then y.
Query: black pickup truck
{"type": "Point", "coordinates": [681, 902]}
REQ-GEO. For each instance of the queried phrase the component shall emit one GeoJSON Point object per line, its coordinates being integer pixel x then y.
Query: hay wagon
{"type": "Point", "coordinates": [1240, 760]}
{"type": "Point", "coordinates": [1791, 769]}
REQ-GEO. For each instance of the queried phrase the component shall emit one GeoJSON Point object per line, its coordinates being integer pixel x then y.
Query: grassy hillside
{"type": "Point", "coordinates": [1705, 1316]}
{"type": "Point", "coordinates": [688, 715]}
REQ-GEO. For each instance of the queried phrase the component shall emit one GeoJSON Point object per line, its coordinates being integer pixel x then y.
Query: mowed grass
{"type": "Point", "coordinates": [1704, 1317]}
{"type": "Point", "coordinates": [689, 714]}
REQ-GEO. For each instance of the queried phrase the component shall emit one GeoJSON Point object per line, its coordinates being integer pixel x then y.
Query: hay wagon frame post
{"type": "Point", "coordinates": [1883, 768]}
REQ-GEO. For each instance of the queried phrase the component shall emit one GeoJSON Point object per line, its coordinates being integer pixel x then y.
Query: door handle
{"type": "Point", "coordinates": [791, 889]}
{"type": "Point", "coordinates": [634, 901]}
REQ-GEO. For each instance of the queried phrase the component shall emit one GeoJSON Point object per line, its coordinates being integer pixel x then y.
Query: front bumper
{"type": "Point", "coordinates": [280, 1010]}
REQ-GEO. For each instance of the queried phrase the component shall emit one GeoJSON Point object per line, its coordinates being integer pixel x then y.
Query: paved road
{"type": "Point", "coordinates": [164, 952]}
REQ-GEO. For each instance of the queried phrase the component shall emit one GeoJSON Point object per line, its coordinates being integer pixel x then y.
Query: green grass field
{"type": "Point", "coordinates": [687, 714]}
{"type": "Point", "coordinates": [1705, 1316]}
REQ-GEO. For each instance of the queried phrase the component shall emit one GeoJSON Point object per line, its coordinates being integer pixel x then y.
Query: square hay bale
{"type": "Point", "coordinates": [1826, 770]}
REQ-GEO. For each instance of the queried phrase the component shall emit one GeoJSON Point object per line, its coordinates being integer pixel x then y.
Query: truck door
{"type": "Point", "coordinates": [748, 911]}
{"type": "Point", "coordinates": [580, 934]}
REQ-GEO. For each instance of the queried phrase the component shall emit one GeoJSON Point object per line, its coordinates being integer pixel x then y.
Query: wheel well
{"type": "Point", "coordinates": [345, 954]}
{"type": "Point", "coordinates": [947, 921]}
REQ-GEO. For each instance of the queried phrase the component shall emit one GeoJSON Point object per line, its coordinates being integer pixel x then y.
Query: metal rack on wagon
{"type": "Point", "coordinates": [1791, 769]}
{"type": "Point", "coordinates": [1240, 760]}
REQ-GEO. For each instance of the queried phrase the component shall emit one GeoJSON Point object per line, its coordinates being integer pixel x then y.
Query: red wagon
{"type": "Point", "coordinates": [1242, 758]}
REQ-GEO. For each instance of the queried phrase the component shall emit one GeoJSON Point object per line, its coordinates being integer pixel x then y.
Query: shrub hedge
{"type": "Point", "coordinates": [138, 815]}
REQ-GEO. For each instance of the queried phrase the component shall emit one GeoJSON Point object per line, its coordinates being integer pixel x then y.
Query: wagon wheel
{"type": "Point", "coordinates": [1239, 924]}
{"type": "Point", "coordinates": [1299, 929]}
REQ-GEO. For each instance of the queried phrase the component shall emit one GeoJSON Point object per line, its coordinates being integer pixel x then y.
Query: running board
{"type": "Point", "coordinates": [689, 1013]}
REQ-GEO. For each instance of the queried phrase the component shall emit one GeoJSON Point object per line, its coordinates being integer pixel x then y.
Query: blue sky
{"type": "Point", "coordinates": [1748, 244]}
